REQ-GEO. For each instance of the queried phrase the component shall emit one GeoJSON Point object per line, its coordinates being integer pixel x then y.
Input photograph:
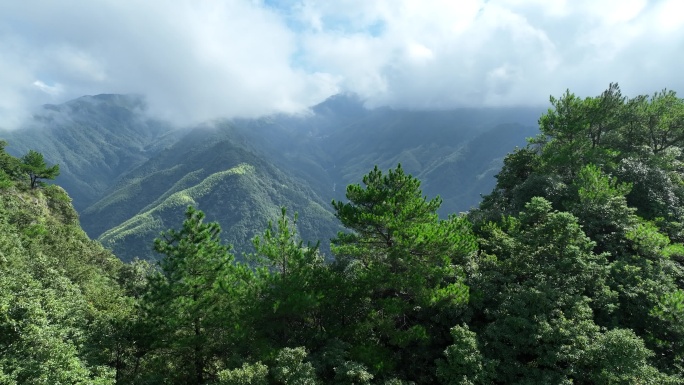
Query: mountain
{"type": "Point", "coordinates": [94, 139]}
{"type": "Point", "coordinates": [131, 176]}
{"type": "Point", "coordinates": [455, 153]}
{"type": "Point", "coordinates": [207, 169]}
{"type": "Point", "coordinates": [58, 288]}
{"type": "Point", "coordinates": [582, 272]}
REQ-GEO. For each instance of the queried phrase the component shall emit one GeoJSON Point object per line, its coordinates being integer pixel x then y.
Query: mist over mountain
{"type": "Point", "coordinates": [94, 139]}
{"type": "Point", "coordinates": [131, 176]}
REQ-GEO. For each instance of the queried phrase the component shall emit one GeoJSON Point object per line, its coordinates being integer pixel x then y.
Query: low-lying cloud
{"type": "Point", "coordinates": [201, 60]}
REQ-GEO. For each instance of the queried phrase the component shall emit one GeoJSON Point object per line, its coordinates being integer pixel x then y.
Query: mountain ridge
{"type": "Point", "coordinates": [94, 139]}
{"type": "Point", "coordinates": [455, 152]}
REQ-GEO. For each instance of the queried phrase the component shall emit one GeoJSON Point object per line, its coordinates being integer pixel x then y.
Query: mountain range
{"type": "Point", "coordinates": [130, 176]}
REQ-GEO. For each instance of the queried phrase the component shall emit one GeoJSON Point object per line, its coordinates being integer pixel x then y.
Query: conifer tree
{"type": "Point", "coordinates": [290, 284]}
{"type": "Point", "coordinates": [191, 300]}
{"type": "Point", "coordinates": [404, 266]}
{"type": "Point", "coordinates": [34, 165]}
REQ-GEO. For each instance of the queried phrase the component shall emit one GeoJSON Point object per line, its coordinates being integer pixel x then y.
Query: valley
{"type": "Point", "coordinates": [131, 176]}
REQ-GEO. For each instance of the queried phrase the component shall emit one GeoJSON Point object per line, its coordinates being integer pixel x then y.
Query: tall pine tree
{"type": "Point", "coordinates": [192, 300]}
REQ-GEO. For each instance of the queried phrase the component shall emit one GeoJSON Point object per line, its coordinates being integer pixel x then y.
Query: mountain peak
{"type": "Point", "coordinates": [340, 104]}
{"type": "Point", "coordinates": [127, 101]}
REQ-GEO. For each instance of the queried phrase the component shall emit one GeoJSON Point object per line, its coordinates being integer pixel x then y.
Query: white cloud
{"type": "Point", "coordinates": [220, 58]}
{"type": "Point", "coordinates": [419, 53]}
{"type": "Point", "coordinates": [193, 60]}
{"type": "Point", "coordinates": [500, 52]}
{"type": "Point", "coordinates": [50, 90]}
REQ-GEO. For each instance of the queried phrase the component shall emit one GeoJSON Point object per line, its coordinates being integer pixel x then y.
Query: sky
{"type": "Point", "coordinates": [198, 60]}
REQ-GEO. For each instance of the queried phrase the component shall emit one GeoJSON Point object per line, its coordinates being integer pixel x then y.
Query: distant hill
{"type": "Point", "coordinates": [131, 177]}
{"type": "Point", "coordinates": [456, 153]}
{"type": "Point", "coordinates": [94, 139]}
{"type": "Point", "coordinates": [206, 169]}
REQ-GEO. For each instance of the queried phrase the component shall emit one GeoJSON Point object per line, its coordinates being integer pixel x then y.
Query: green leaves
{"type": "Point", "coordinates": [31, 164]}
{"type": "Point", "coordinates": [592, 294]}
{"type": "Point", "coordinates": [380, 213]}
{"type": "Point", "coordinates": [192, 298]}
{"type": "Point", "coordinates": [248, 374]}
{"type": "Point", "coordinates": [280, 250]}
{"type": "Point", "coordinates": [292, 370]}
{"type": "Point", "coordinates": [602, 208]}
{"type": "Point", "coordinates": [606, 267]}
{"type": "Point", "coordinates": [10, 167]}
{"type": "Point", "coordinates": [291, 285]}
{"type": "Point", "coordinates": [538, 282]}
{"type": "Point", "coordinates": [671, 306]}
{"type": "Point", "coordinates": [464, 363]}
{"type": "Point", "coordinates": [620, 357]}
{"type": "Point", "coordinates": [405, 264]}
{"type": "Point", "coordinates": [54, 284]}
{"type": "Point", "coordinates": [34, 165]}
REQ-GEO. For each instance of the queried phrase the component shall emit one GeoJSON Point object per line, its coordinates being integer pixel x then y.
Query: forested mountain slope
{"type": "Point", "coordinates": [124, 171]}
{"type": "Point", "coordinates": [341, 140]}
{"type": "Point", "coordinates": [94, 139]}
{"type": "Point", "coordinates": [236, 187]}
{"type": "Point", "coordinates": [59, 290]}
{"type": "Point", "coordinates": [570, 272]}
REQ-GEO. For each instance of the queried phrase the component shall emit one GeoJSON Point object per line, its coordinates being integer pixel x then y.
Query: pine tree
{"type": "Point", "coordinates": [404, 267]}
{"type": "Point", "coordinates": [290, 284]}
{"type": "Point", "coordinates": [34, 165]}
{"type": "Point", "coordinates": [191, 300]}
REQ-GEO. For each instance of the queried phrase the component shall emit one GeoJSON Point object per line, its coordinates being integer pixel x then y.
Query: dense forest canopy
{"type": "Point", "coordinates": [569, 272]}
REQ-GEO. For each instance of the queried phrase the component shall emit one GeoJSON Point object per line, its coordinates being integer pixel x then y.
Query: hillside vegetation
{"type": "Point", "coordinates": [120, 166]}
{"type": "Point", "coordinates": [569, 272]}
{"type": "Point", "coordinates": [94, 139]}
{"type": "Point", "coordinates": [59, 290]}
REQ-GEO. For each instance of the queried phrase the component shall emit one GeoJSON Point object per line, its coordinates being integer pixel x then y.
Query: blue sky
{"type": "Point", "coordinates": [202, 60]}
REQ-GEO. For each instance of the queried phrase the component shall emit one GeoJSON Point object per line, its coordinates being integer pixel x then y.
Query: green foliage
{"type": "Point", "coordinates": [615, 164]}
{"type": "Point", "coordinates": [404, 266]}
{"type": "Point", "coordinates": [464, 364]}
{"type": "Point", "coordinates": [149, 222]}
{"type": "Point", "coordinates": [191, 298]}
{"type": "Point", "coordinates": [575, 274]}
{"type": "Point", "coordinates": [620, 357]}
{"type": "Point", "coordinates": [602, 208]}
{"type": "Point", "coordinates": [290, 368]}
{"type": "Point", "coordinates": [279, 249]}
{"type": "Point", "coordinates": [646, 279]}
{"type": "Point", "coordinates": [671, 306]}
{"type": "Point", "coordinates": [248, 374]}
{"type": "Point", "coordinates": [5, 180]}
{"type": "Point", "coordinates": [291, 285]}
{"type": "Point", "coordinates": [34, 165]}
{"type": "Point", "coordinates": [656, 192]}
{"type": "Point", "coordinates": [537, 280]}
{"type": "Point", "coordinates": [349, 372]}
{"type": "Point", "coordinates": [117, 163]}
{"type": "Point", "coordinates": [662, 121]}
{"type": "Point", "coordinates": [639, 140]}
{"type": "Point", "coordinates": [55, 284]}
{"type": "Point", "coordinates": [241, 198]}
{"type": "Point", "coordinates": [10, 167]}
{"type": "Point", "coordinates": [36, 348]}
